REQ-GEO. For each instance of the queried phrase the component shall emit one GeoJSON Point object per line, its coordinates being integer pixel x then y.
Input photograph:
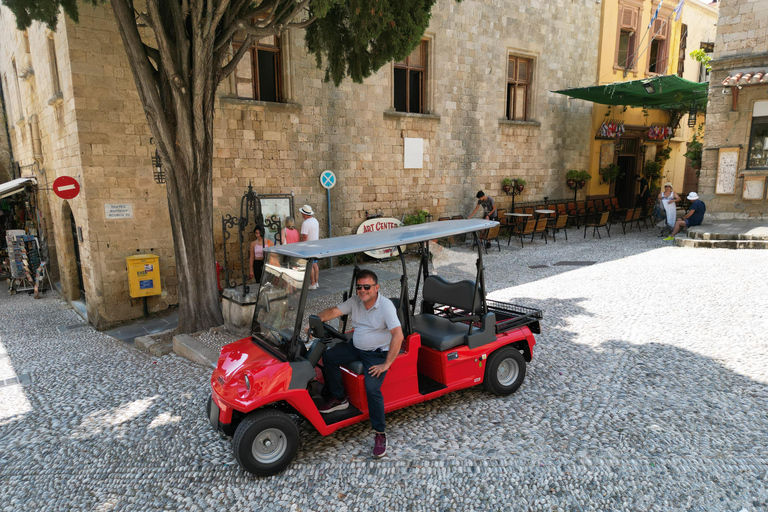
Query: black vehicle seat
{"type": "Point", "coordinates": [438, 332]}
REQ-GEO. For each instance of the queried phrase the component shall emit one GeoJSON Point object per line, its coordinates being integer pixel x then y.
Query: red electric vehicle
{"type": "Point", "coordinates": [454, 338]}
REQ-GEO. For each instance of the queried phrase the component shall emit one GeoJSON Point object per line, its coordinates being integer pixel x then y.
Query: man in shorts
{"type": "Point", "coordinates": [694, 217]}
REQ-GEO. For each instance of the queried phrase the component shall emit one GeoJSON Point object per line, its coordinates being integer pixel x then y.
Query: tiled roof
{"type": "Point", "coordinates": [746, 78]}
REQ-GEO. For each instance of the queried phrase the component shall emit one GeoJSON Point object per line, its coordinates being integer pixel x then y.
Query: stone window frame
{"type": "Point", "coordinates": [630, 14]}
{"type": "Point", "coordinates": [280, 66]}
{"type": "Point", "coordinates": [762, 122]}
{"type": "Point", "coordinates": [53, 64]}
{"type": "Point", "coordinates": [8, 102]}
{"type": "Point", "coordinates": [17, 86]}
{"type": "Point", "coordinates": [515, 81]}
{"type": "Point", "coordinates": [427, 47]}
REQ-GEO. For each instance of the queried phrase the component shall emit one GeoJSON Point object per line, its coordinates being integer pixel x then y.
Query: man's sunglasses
{"type": "Point", "coordinates": [364, 286]}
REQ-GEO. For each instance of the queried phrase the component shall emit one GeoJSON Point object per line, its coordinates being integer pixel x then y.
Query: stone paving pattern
{"type": "Point", "coordinates": [648, 391]}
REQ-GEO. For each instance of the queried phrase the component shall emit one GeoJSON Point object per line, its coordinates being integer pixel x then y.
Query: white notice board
{"type": "Point", "coordinates": [754, 188]}
{"type": "Point", "coordinates": [727, 167]}
{"type": "Point", "coordinates": [413, 153]}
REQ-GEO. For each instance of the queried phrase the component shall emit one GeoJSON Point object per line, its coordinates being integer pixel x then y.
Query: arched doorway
{"type": "Point", "coordinates": [69, 258]}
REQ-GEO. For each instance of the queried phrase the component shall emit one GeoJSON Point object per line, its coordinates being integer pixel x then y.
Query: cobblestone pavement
{"type": "Point", "coordinates": [648, 391]}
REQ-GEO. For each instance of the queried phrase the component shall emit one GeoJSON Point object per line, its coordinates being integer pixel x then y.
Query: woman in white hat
{"type": "Point", "coordinates": [669, 199]}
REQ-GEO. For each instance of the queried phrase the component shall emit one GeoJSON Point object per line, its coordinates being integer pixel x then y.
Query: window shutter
{"type": "Point", "coordinates": [660, 29]}
{"type": "Point", "coordinates": [628, 18]}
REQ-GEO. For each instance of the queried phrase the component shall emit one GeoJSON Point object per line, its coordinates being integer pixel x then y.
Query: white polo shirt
{"type": "Point", "coordinates": [371, 326]}
{"type": "Point", "coordinates": [311, 228]}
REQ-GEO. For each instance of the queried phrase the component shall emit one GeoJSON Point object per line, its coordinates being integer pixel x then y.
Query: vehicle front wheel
{"type": "Point", "coordinates": [505, 371]}
{"type": "Point", "coordinates": [265, 442]}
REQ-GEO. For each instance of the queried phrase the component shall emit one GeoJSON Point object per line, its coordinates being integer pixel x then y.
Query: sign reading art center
{"type": "Point", "coordinates": [373, 225]}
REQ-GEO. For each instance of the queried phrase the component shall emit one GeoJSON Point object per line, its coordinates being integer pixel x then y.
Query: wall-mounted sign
{"type": "Point", "coordinates": [727, 165]}
{"type": "Point", "coordinates": [66, 187]}
{"type": "Point", "coordinates": [754, 188]}
{"type": "Point", "coordinates": [413, 153]}
{"type": "Point", "coordinates": [373, 225]}
{"type": "Point", "coordinates": [118, 211]}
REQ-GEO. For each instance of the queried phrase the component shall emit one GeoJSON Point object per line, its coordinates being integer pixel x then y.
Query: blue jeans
{"type": "Point", "coordinates": [345, 353]}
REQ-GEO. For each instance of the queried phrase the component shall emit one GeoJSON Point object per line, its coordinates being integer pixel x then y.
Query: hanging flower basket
{"type": "Point", "coordinates": [506, 188]}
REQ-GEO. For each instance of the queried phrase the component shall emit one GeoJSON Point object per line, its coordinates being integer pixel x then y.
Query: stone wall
{"type": "Point", "coordinates": [742, 28]}
{"type": "Point", "coordinates": [96, 131]}
{"type": "Point", "coordinates": [740, 45]}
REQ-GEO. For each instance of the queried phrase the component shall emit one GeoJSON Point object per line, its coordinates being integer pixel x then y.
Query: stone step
{"type": "Point", "coordinates": [730, 231]}
{"type": "Point", "coordinates": [721, 244]}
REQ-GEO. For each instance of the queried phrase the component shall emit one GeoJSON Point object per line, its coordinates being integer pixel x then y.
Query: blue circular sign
{"type": "Point", "coordinates": [327, 179]}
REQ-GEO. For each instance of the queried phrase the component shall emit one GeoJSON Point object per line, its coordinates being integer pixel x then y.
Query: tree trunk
{"type": "Point", "coordinates": [178, 99]}
{"type": "Point", "coordinates": [192, 226]}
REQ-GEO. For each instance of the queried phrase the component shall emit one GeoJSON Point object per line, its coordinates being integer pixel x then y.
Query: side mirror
{"type": "Point", "coordinates": [316, 328]}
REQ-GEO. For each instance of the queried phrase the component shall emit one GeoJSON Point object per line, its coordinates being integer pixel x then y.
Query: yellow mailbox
{"type": "Point", "coordinates": [143, 275]}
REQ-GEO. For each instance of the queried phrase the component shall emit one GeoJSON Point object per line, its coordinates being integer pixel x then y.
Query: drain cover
{"type": "Point", "coordinates": [23, 379]}
{"type": "Point", "coordinates": [64, 328]}
{"type": "Point", "coordinates": [575, 263]}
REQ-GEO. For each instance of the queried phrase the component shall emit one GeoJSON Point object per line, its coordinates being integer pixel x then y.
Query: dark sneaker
{"type": "Point", "coordinates": [334, 404]}
{"type": "Point", "coordinates": [380, 446]}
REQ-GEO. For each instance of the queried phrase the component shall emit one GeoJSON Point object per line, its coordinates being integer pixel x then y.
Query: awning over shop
{"type": "Point", "coordinates": [15, 186]}
{"type": "Point", "coordinates": [669, 92]}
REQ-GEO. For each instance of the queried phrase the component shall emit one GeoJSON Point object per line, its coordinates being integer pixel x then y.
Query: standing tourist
{"type": "Point", "coordinates": [310, 230]}
{"type": "Point", "coordinates": [290, 233]}
{"type": "Point", "coordinates": [257, 252]}
{"type": "Point", "coordinates": [669, 199]}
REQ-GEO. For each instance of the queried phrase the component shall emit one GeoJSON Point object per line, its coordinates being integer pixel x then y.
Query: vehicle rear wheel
{"type": "Point", "coordinates": [505, 371]}
{"type": "Point", "coordinates": [265, 442]}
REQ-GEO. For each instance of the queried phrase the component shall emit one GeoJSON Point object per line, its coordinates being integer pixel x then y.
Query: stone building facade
{"type": "Point", "coordinates": [737, 114]}
{"type": "Point", "coordinates": [93, 128]}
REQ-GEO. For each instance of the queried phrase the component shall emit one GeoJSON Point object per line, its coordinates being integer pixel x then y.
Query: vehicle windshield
{"type": "Point", "coordinates": [278, 302]}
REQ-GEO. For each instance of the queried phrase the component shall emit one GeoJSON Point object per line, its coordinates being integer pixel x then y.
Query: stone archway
{"type": "Point", "coordinates": [69, 256]}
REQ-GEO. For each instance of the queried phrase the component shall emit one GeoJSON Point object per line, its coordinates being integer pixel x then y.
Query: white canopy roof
{"type": "Point", "coordinates": [15, 186]}
{"type": "Point", "coordinates": [328, 247]}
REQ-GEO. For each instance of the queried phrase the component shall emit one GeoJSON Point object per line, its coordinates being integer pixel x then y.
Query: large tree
{"type": "Point", "coordinates": [178, 71]}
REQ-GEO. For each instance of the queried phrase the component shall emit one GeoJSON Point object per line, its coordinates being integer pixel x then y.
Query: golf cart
{"type": "Point", "coordinates": [454, 339]}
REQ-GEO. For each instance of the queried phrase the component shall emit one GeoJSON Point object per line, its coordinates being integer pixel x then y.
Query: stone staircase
{"type": "Point", "coordinates": [726, 235]}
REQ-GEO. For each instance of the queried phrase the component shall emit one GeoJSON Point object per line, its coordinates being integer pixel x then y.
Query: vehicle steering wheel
{"type": "Point", "coordinates": [322, 330]}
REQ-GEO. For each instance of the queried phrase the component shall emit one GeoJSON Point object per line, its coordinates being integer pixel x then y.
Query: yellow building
{"type": "Point", "coordinates": [636, 45]}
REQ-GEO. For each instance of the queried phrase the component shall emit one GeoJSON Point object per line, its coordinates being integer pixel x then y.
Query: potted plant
{"type": "Point", "coordinates": [506, 184]}
{"type": "Point", "coordinates": [521, 183]}
{"type": "Point", "coordinates": [575, 178]}
{"type": "Point", "coordinates": [694, 152]}
{"type": "Point", "coordinates": [610, 173]}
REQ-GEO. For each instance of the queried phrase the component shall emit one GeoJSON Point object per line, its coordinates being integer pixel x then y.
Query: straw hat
{"type": "Point", "coordinates": [306, 210]}
{"type": "Point", "coordinates": [693, 196]}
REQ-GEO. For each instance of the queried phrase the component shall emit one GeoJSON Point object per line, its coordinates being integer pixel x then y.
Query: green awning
{"type": "Point", "coordinates": [669, 92]}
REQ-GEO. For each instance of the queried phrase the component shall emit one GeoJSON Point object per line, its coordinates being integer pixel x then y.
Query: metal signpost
{"type": "Point", "coordinates": [328, 180]}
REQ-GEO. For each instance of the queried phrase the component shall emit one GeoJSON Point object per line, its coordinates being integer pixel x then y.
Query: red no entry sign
{"type": "Point", "coordinates": [66, 187]}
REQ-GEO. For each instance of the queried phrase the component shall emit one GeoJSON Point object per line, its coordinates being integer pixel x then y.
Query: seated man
{"type": "Point", "coordinates": [694, 216]}
{"type": "Point", "coordinates": [376, 342]}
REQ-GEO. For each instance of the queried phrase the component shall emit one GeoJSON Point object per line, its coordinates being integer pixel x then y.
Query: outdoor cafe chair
{"type": "Point", "coordinates": [522, 229]}
{"type": "Point", "coordinates": [600, 220]}
{"type": "Point", "coordinates": [559, 224]}
{"type": "Point", "coordinates": [491, 235]}
{"type": "Point", "coordinates": [541, 227]}
{"type": "Point", "coordinates": [637, 217]}
{"type": "Point", "coordinates": [628, 219]}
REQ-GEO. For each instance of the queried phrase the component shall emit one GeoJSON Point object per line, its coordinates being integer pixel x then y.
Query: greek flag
{"type": "Point", "coordinates": [655, 14]}
{"type": "Point", "coordinates": [678, 10]}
